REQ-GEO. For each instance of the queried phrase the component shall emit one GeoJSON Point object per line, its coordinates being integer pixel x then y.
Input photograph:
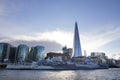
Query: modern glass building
{"type": "Point", "coordinates": [22, 50]}
{"type": "Point", "coordinates": [4, 52]}
{"type": "Point", "coordinates": [77, 46]}
{"type": "Point", "coordinates": [36, 53]}
{"type": "Point", "coordinates": [39, 52]}
{"type": "Point", "coordinates": [30, 56]}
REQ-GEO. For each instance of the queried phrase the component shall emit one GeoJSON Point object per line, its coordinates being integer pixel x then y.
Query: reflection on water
{"type": "Point", "coordinates": [103, 74]}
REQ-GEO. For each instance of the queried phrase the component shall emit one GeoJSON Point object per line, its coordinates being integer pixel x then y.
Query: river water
{"type": "Point", "coordinates": [100, 74]}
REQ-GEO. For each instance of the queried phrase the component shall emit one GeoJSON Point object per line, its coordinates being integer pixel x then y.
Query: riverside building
{"type": "Point", "coordinates": [4, 52]}
{"type": "Point", "coordinates": [67, 51]}
{"type": "Point", "coordinates": [22, 50]}
{"type": "Point", "coordinates": [35, 54]}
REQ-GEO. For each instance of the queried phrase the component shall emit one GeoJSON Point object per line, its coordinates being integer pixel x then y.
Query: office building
{"type": "Point", "coordinates": [67, 51]}
{"type": "Point", "coordinates": [4, 52]}
{"type": "Point", "coordinates": [22, 51]}
{"type": "Point", "coordinates": [35, 54]}
{"type": "Point", "coordinates": [77, 46]}
{"type": "Point", "coordinates": [98, 54]}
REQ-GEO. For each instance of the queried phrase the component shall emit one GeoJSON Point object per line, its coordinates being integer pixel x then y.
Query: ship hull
{"type": "Point", "coordinates": [66, 67]}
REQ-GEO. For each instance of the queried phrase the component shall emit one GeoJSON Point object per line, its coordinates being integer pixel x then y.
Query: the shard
{"type": "Point", "coordinates": [77, 45]}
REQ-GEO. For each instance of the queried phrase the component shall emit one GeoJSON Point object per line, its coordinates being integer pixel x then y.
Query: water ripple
{"type": "Point", "coordinates": [101, 74]}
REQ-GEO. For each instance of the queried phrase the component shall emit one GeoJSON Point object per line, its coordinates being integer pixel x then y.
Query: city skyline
{"type": "Point", "coordinates": [52, 23]}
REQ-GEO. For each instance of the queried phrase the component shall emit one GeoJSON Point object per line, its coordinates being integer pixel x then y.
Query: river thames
{"type": "Point", "coordinates": [100, 74]}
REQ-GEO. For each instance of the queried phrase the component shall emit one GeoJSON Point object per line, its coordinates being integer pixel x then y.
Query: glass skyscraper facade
{"type": "Point", "coordinates": [39, 52]}
{"type": "Point", "coordinates": [77, 46]}
{"type": "Point", "coordinates": [22, 50]}
{"type": "Point", "coordinates": [35, 54]}
{"type": "Point", "coordinates": [4, 51]}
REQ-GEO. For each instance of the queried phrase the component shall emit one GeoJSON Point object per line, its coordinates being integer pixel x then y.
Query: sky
{"type": "Point", "coordinates": [51, 23]}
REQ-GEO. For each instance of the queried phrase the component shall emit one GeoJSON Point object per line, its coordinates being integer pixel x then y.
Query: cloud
{"type": "Point", "coordinates": [114, 56]}
{"type": "Point", "coordinates": [61, 37]}
{"type": "Point", "coordinates": [50, 46]}
{"type": "Point", "coordinates": [95, 41]}
{"type": "Point", "coordinates": [66, 38]}
{"type": "Point", "coordinates": [53, 41]}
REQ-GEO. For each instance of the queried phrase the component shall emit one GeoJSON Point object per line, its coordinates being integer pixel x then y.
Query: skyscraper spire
{"type": "Point", "coordinates": [77, 45]}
